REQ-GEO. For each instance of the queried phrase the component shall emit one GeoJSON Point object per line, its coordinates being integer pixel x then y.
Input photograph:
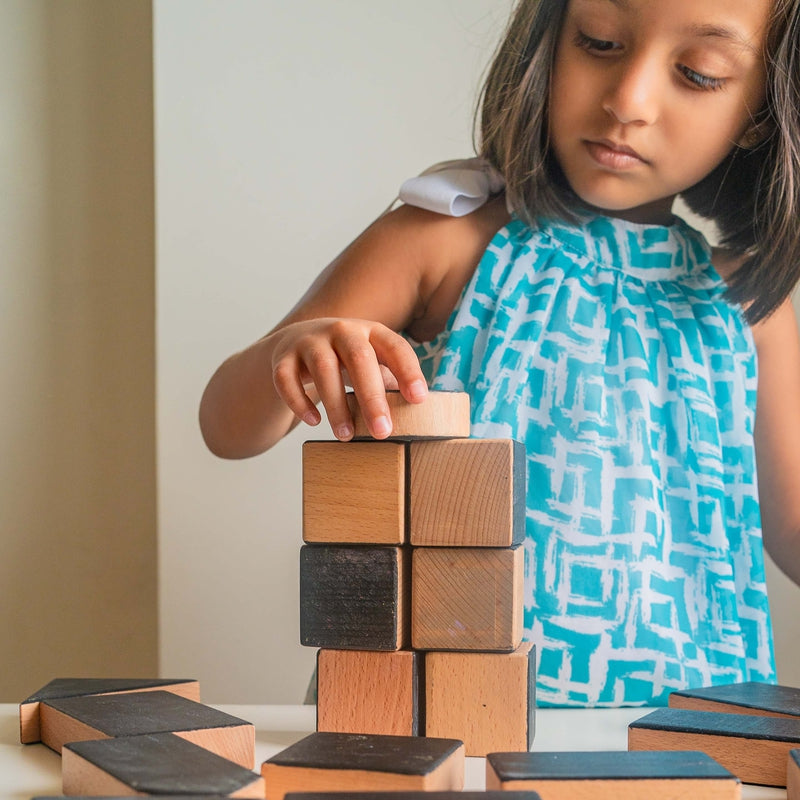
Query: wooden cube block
{"type": "Point", "coordinates": [331, 762]}
{"type": "Point", "coordinates": [368, 691]}
{"type": "Point", "coordinates": [75, 719]}
{"type": "Point", "coordinates": [751, 697]}
{"type": "Point", "coordinates": [467, 493]}
{"type": "Point", "coordinates": [485, 699]}
{"type": "Point", "coordinates": [153, 764]}
{"type": "Point", "coordinates": [793, 776]}
{"type": "Point", "coordinates": [466, 598]}
{"type": "Point", "coordinates": [353, 598]}
{"type": "Point", "coordinates": [441, 415]}
{"type": "Point", "coordinates": [163, 796]}
{"type": "Point", "coordinates": [613, 775]}
{"type": "Point", "coordinates": [80, 687]}
{"type": "Point", "coordinates": [755, 749]}
{"type": "Point", "coordinates": [467, 795]}
{"type": "Point", "coordinates": [354, 492]}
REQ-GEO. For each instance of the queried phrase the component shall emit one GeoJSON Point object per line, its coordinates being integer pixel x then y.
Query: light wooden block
{"type": "Point", "coordinates": [609, 775]}
{"type": "Point", "coordinates": [368, 691]}
{"type": "Point", "coordinates": [81, 687]}
{"type": "Point", "coordinates": [332, 762]}
{"type": "Point", "coordinates": [354, 492]}
{"type": "Point", "coordinates": [467, 493]}
{"type": "Point", "coordinates": [153, 764]}
{"type": "Point", "coordinates": [467, 795]}
{"type": "Point", "coordinates": [441, 415]}
{"type": "Point", "coordinates": [466, 598]}
{"type": "Point", "coordinates": [751, 697]}
{"type": "Point", "coordinates": [485, 699]}
{"type": "Point", "coordinates": [354, 597]}
{"type": "Point", "coordinates": [755, 749]}
{"type": "Point", "coordinates": [793, 776]}
{"type": "Point", "coordinates": [77, 719]}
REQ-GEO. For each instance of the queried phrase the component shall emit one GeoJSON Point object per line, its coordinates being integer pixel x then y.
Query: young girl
{"type": "Point", "coordinates": [587, 321]}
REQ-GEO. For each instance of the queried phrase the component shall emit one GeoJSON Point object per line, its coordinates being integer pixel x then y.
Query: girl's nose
{"type": "Point", "coordinates": [632, 94]}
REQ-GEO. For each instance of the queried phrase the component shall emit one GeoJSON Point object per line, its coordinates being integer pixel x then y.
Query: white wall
{"type": "Point", "coordinates": [282, 129]}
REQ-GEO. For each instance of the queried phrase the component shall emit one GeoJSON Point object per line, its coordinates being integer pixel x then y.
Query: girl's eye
{"type": "Point", "coordinates": [595, 45]}
{"type": "Point", "coordinates": [701, 81]}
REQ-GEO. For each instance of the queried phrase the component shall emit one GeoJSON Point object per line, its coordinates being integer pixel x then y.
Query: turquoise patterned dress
{"type": "Point", "coordinates": [609, 350]}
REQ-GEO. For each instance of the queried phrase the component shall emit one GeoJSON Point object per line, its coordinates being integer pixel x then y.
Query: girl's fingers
{"type": "Point", "coordinates": [397, 355]}
{"type": "Point", "coordinates": [286, 376]}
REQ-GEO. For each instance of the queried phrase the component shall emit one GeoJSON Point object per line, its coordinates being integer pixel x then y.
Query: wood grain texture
{"type": "Point", "coordinates": [368, 691]}
{"type": "Point", "coordinates": [81, 687]}
{"type": "Point", "coordinates": [354, 597]}
{"type": "Point", "coordinates": [354, 492]}
{"type": "Point", "coordinates": [613, 775]}
{"type": "Point", "coordinates": [466, 598]}
{"type": "Point", "coordinates": [751, 697]}
{"type": "Point", "coordinates": [485, 699]}
{"type": "Point", "coordinates": [755, 749]}
{"type": "Point", "coordinates": [153, 764]}
{"type": "Point", "coordinates": [467, 493]}
{"type": "Point", "coordinates": [411, 795]}
{"type": "Point", "coordinates": [330, 762]}
{"type": "Point", "coordinates": [793, 776]}
{"type": "Point", "coordinates": [74, 719]}
{"type": "Point", "coordinates": [440, 415]}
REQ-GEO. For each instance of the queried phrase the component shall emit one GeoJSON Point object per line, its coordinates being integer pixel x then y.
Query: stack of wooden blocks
{"type": "Point", "coordinates": [411, 580]}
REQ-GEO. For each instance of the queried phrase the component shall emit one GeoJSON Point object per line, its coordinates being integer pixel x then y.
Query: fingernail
{"type": "Point", "coordinates": [418, 389]}
{"type": "Point", "coordinates": [310, 418]}
{"type": "Point", "coordinates": [382, 426]}
{"type": "Point", "coordinates": [344, 432]}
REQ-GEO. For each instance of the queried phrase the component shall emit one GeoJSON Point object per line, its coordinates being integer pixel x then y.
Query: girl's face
{"type": "Point", "coordinates": [648, 96]}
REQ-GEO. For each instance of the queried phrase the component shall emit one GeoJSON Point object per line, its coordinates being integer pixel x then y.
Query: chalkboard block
{"type": "Point", "coordinates": [793, 776]}
{"type": "Point", "coordinates": [353, 597]}
{"type": "Point", "coordinates": [440, 415]}
{"type": "Point", "coordinates": [331, 762]}
{"type": "Point", "coordinates": [466, 598]}
{"type": "Point", "coordinates": [467, 493]}
{"type": "Point", "coordinates": [73, 719]}
{"type": "Point", "coordinates": [369, 691]}
{"type": "Point", "coordinates": [80, 687]}
{"type": "Point", "coordinates": [158, 796]}
{"type": "Point", "coordinates": [485, 699]}
{"type": "Point", "coordinates": [613, 775]}
{"type": "Point", "coordinates": [755, 749]}
{"type": "Point", "coordinates": [153, 764]}
{"type": "Point", "coordinates": [751, 697]}
{"type": "Point", "coordinates": [354, 492]}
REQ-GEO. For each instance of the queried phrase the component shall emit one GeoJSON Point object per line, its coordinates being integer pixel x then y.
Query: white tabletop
{"type": "Point", "coordinates": [30, 770]}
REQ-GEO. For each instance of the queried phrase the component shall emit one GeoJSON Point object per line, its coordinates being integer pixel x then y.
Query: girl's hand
{"type": "Point", "coordinates": [325, 355]}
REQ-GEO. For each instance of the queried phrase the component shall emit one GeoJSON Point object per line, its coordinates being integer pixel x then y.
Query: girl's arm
{"type": "Point", "coordinates": [777, 436]}
{"type": "Point", "coordinates": [405, 272]}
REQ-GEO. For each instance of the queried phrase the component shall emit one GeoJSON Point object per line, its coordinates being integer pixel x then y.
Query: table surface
{"type": "Point", "coordinates": [30, 770]}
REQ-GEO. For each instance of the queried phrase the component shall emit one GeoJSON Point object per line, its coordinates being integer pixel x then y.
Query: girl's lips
{"type": "Point", "coordinates": [614, 156]}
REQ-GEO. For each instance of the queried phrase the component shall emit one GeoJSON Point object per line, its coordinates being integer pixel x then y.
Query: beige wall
{"type": "Point", "coordinates": [77, 488]}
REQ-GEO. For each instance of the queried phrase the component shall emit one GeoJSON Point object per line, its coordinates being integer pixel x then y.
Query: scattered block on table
{"type": "Point", "coordinates": [751, 697]}
{"type": "Point", "coordinates": [79, 687]}
{"type": "Point", "coordinates": [74, 719]}
{"type": "Point", "coordinates": [441, 415]}
{"type": "Point", "coordinates": [608, 775]}
{"type": "Point", "coordinates": [124, 797]}
{"type": "Point", "coordinates": [793, 776]}
{"type": "Point", "coordinates": [466, 598]}
{"type": "Point", "coordinates": [485, 699]}
{"type": "Point", "coordinates": [354, 597]}
{"type": "Point", "coordinates": [369, 691]}
{"type": "Point", "coordinates": [469, 795]}
{"type": "Point", "coordinates": [153, 764]}
{"type": "Point", "coordinates": [354, 492]}
{"type": "Point", "coordinates": [754, 749]}
{"type": "Point", "coordinates": [467, 493]}
{"type": "Point", "coordinates": [331, 762]}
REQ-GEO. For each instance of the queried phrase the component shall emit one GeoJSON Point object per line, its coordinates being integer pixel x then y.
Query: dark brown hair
{"type": "Point", "coordinates": [753, 196]}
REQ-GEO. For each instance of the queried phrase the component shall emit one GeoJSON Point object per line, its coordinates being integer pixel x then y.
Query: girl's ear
{"type": "Point", "coordinates": [755, 135]}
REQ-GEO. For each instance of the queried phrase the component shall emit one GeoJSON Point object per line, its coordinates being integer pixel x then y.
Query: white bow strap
{"type": "Point", "coordinates": [454, 188]}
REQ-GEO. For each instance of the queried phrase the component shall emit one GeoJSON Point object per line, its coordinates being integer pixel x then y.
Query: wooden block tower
{"type": "Point", "coordinates": [411, 580]}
